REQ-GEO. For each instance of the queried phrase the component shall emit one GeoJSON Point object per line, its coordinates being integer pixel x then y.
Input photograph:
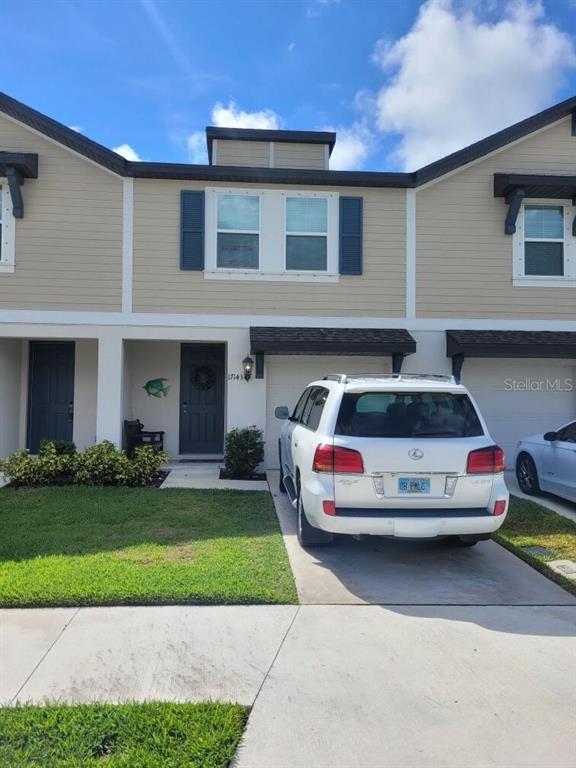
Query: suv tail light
{"type": "Point", "coordinates": [486, 461]}
{"type": "Point", "coordinates": [330, 458]}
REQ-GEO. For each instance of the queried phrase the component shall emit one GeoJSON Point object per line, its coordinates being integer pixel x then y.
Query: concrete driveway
{"type": "Point", "coordinates": [386, 572]}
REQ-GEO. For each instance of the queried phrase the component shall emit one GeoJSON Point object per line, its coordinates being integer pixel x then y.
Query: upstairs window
{"type": "Point", "coordinates": [238, 232]}
{"type": "Point", "coordinates": [544, 240]}
{"type": "Point", "coordinates": [306, 233]}
{"type": "Point", "coordinates": [544, 246]}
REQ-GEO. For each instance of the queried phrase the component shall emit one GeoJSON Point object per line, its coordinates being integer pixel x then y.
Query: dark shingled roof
{"type": "Point", "coordinates": [331, 341]}
{"type": "Point", "coordinates": [511, 343]}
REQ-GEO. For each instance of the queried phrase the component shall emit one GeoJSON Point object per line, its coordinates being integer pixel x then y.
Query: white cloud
{"type": "Point", "coordinates": [196, 144]}
{"type": "Point", "coordinates": [234, 117]}
{"type": "Point", "coordinates": [353, 145]}
{"type": "Point", "coordinates": [229, 117]}
{"type": "Point", "coordinates": [316, 7]}
{"type": "Point", "coordinates": [455, 78]}
{"type": "Point", "coordinates": [127, 152]}
{"type": "Point", "coordinates": [76, 128]}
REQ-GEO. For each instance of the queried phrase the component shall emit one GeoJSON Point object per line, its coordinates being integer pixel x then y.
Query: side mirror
{"type": "Point", "coordinates": [282, 412]}
{"type": "Point", "coordinates": [551, 437]}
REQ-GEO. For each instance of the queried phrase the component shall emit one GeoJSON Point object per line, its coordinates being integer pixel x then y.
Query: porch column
{"type": "Point", "coordinates": [109, 409]}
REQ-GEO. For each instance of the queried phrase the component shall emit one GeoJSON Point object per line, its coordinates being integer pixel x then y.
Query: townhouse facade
{"type": "Point", "coordinates": [197, 298]}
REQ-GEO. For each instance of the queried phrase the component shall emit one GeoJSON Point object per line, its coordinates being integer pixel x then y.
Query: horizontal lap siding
{"type": "Point", "coordinates": [464, 259]}
{"type": "Point", "coordinates": [160, 285]}
{"type": "Point", "coordinates": [69, 243]}
{"type": "Point", "coordinates": [295, 155]}
{"type": "Point", "coordinates": [243, 153]}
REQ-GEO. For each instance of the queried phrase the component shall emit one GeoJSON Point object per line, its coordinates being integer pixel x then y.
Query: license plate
{"type": "Point", "coordinates": [413, 485]}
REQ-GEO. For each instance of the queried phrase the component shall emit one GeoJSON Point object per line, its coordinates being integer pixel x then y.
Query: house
{"type": "Point", "coordinates": [117, 274]}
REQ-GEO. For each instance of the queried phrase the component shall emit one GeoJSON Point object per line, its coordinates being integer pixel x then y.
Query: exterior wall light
{"type": "Point", "coordinates": [248, 365]}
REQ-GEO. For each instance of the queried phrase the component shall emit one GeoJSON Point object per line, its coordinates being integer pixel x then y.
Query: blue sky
{"type": "Point", "coordinates": [403, 82]}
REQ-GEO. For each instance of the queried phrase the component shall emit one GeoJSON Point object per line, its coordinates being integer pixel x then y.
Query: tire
{"type": "Point", "coordinates": [527, 475]}
{"type": "Point", "coordinates": [281, 486]}
{"type": "Point", "coordinates": [308, 536]}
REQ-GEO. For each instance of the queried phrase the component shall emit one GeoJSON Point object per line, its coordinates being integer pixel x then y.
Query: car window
{"type": "Point", "coordinates": [297, 413]}
{"type": "Point", "coordinates": [314, 408]}
{"type": "Point", "coordinates": [407, 414]}
{"type": "Point", "coordinates": [568, 434]}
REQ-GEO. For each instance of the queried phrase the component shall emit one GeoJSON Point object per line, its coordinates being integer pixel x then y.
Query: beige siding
{"type": "Point", "coordinates": [293, 155]}
{"type": "Point", "coordinates": [464, 259]}
{"type": "Point", "coordinates": [249, 153]}
{"type": "Point", "coordinates": [160, 285]}
{"type": "Point", "coordinates": [69, 243]}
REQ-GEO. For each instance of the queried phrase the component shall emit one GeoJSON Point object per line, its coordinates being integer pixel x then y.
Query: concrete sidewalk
{"type": "Point", "coordinates": [354, 686]}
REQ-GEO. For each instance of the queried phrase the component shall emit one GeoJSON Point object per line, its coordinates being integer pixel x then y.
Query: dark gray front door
{"type": "Point", "coordinates": [51, 392]}
{"type": "Point", "coordinates": [202, 398]}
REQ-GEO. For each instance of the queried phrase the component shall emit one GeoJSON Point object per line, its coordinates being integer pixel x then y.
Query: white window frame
{"type": "Point", "coordinates": [306, 195]}
{"type": "Point", "coordinates": [568, 279]}
{"type": "Point", "coordinates": [272, 238]}
{"type": "Point", "coordinates": [252, 270]}
{"type": "Point", "coordinates": [7, 255]}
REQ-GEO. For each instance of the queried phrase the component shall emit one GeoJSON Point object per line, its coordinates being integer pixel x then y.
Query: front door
{"type": "Point", "coordinates": [202, 399]}
{"type": "Point", "coordinates": [51, 392]}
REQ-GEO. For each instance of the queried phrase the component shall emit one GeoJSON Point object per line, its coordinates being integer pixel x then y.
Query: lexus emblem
{"type": "Point", "coordinates": [415, 453]}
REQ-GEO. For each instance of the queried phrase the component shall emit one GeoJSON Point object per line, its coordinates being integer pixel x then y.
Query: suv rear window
{"type": "Point", "coordinates": [407, 414]}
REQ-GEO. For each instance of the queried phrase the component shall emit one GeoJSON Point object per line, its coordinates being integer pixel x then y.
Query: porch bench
{"type": "Point", "coordinates": [135, 436]}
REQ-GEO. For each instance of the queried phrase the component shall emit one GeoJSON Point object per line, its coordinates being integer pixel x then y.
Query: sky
{"type": "Point", "coordinates": [402, 82]}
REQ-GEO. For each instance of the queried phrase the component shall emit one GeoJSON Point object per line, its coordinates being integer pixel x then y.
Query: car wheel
{"type": "Point", "coordinates": [527, 475]}
{"type": "Point", "coordinates": [281, 486]}
{"type": "Point", "coordinates": [308, 535]}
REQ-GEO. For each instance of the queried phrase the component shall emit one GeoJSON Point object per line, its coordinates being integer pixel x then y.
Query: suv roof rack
{"type": "Point", "coordinates": [344, 378]}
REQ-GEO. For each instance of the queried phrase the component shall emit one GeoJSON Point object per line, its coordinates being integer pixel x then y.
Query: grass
{"type": "Point", "coordinates": [528, 525]}
{"type": "Point", "coordinates": [120, 736]}
{"type": "Point", "coordinates": [111, 546]}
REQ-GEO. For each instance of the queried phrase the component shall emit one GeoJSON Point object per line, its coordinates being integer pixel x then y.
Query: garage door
{"type": "Point", "coordinates": [521, 397]}
{"type": "Point", "coordinates": [288, 375]}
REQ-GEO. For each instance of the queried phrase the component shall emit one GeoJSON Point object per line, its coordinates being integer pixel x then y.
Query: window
{"type": "Point", "coordinates": [399, 414]}
{"type": "Point", "coordinates": [543, 244]}
{"type": "Point", "coordinates": [238, 232]}
{"type": "Point", "coordinates": [544, 240]}
{"type": "Point", "coordinates": [271, 234]}
{"type": "Point", "coordinates": [298, 410]}
{"type": "Point", "coordinates": [314, 407]}
{"type": "Point", "coordinates": [568, 434]}
{"type": "Point", "coordinates": [7, 230]}
{"type": "Point", "coordinates": [306, 233]}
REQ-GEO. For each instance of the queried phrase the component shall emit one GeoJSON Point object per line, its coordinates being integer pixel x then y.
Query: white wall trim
{"type": "Point", "coordinates": [491, 154]}
{"type": "Point", "coordinates": [127, 243]}
{"type": "Point", "coordinates": [8, 256]}
{"type": "Point", "coordinates": [271, 154]}
{"type": "Point", "coordinates": [214, 151]}
{"type": "Point", "coordinates": [42, 324]}
{"type": "Point", "coordinates": [411, 253]}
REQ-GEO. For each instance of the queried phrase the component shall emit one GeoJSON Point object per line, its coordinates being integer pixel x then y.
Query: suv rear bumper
{"type": "Point", "coordinates": [412, 524]}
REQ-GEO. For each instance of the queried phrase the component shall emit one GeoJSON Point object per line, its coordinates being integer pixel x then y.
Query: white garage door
{"type": "Point", "coordinates": [521, 397]}
{"type": "Point", "coordinates": [288, 375]}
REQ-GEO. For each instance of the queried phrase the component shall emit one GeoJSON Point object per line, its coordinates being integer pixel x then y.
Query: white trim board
{"type": "Point", "coordinates": [411, 253]}
{"type": "Point", "coordinates": [39, 323]}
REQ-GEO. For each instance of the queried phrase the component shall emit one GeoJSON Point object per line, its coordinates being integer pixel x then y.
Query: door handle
{"type": "Point", "coordinates": [184, 407]}
{"type": "Point", "coordinates": [70, 411]}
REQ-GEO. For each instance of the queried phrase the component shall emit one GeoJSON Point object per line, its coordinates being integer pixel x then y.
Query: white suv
{"type": "Point", "coordinates": [404, 455]}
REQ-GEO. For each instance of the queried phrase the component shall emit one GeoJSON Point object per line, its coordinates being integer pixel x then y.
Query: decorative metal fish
{"type": "Point", "coordinates": [157, 387]}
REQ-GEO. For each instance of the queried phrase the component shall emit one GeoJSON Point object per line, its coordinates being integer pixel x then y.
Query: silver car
{"type": "Point", "coordinates": [548, 463]}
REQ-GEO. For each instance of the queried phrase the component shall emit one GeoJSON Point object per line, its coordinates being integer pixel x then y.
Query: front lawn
{"type": "Point", "coordinates": [110, 546]}
{"type": "Point", "coordinates": [529, 525]}
{"type": "Point", "coordinates": [121, 736]}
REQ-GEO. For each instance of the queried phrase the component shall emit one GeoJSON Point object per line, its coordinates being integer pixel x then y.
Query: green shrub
{"type": "Point", "coordinates": [48, 468]}
{"type": "Point", "coordinates": [243, 452]}
{"type": "Point", "coordinates": [102, 464]}
{"type": "Point", "coordinates": [62, 447]}
{"type": "Point", "coordinates": [145, 465]}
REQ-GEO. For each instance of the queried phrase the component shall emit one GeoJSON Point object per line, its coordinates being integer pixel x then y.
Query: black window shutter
{"type": "Point", "coordinates": [351, 235]}
{"type": "Point", "coordinates": [191, 230]}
